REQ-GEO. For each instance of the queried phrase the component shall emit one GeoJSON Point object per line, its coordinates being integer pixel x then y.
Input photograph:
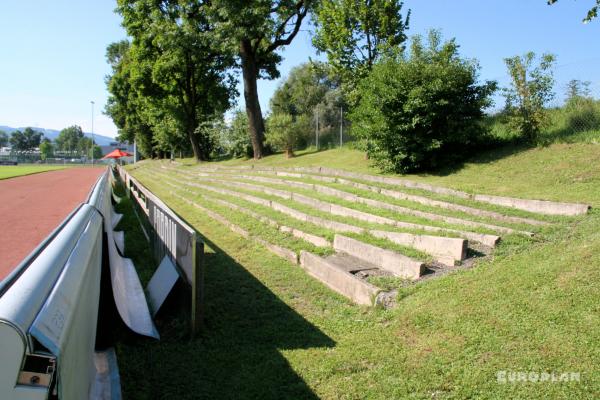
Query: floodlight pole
{"type": "Point", "coordinates": [92, 132]}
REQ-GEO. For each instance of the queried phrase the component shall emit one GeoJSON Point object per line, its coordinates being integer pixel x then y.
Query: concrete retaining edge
{"type": "Point", "coordinates": [445, 250]}
{"type": "Point", "coordinates": [536, 206]}
{"type": "Point", "coordinates": [398, 264]}
{"type": "Point", "coordinates": [338, 280]}
{"type": "Point", "coordinates": [485, 239]}
{"type": "Point", "coordinates": [386, 192]}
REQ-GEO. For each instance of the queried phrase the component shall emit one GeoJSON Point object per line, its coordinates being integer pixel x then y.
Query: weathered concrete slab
{"type": "Point", "coordinates": [486, 239]}
{"type": "Point", "coordinates": [351, 264]}
{"type": "Point", "coordinates": [314, 239]}
{"type": "Point", "coordinates": [289, 211]}
{"type": "Point", "coordinates": [402, 196]}
{"type": "Point", "coordinates": [388, 260]}
{"type": "Point", "coordinates": [275, 249]}
{"type": "Point", "coordinates": [445, 250]}
{"type": "Point", "coordinates": [360, 215]}
{"type": "Point", "coordinates": [458, 207]}
{"type": "Point", "coordinates": [436, 217]}
{"type": "Point", "coordinates": [538, 206]}
{"type": "Point", "coordinates": [282, 252]}
{"type": "Point", "coordinates": [309, 201]}
{"type": "Point", "coordinates": [321, 205]}
{"type": "Point", "coordinates": [290, 174]}
{"type": "Point", "coordinates": [335, 278]}
{"type": "Point", "coordinates": [334, 225]}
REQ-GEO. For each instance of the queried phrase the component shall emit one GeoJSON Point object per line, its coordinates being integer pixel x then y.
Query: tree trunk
{"type": "Point", "coordinates": [255, 119]}
{"type": "Point", "coordinates": [195, 145]}
{"type": "Point", "coordinates": [289, 152]}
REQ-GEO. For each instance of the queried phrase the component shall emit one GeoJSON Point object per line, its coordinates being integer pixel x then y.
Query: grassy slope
{"type": "Point", "coordinates": [557, 172]}
{"type": "Point", "coordinates": [273, 332]}
{"type": "Point", "coordinates": [10, 171]}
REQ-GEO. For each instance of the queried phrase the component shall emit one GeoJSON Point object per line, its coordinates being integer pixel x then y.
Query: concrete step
{"type": "Point", "coordinates": [396, 263]}
{"type": "Point", "coordinates": [354, 265]}
{"type": "Point", "coordinates": [340, 280]}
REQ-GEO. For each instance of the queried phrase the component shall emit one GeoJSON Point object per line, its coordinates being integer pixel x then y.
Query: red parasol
{"type": "Point", "coordinates": [118, 153]}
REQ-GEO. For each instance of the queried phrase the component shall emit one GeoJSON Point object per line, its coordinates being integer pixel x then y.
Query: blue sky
{"type": "Point", "coordinates": [53, 51]}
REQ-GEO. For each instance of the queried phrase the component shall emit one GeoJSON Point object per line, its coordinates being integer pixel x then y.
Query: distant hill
{"type": "Point", "coordinates": [53, 134]}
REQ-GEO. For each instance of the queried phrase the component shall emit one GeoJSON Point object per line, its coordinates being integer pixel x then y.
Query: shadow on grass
{"type": "Point", "coordinates": [483, 155]}
{"type": "Point", "coordinates": [238, 354]}
{"type": "Point", "coordinates": [502, 147]}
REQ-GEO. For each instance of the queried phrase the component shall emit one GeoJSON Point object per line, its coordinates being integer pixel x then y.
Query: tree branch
{"type": "Point", "coordinates": [301, 11]}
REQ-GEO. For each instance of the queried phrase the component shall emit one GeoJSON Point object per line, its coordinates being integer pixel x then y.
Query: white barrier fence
{"type": "Point", "coordinates": [50, 303]}
{"type": "Point", "coordinates": [49, 310]}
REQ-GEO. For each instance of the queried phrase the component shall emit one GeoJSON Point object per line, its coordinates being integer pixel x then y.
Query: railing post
{"type": "Point", "coordinates": [198, 288]}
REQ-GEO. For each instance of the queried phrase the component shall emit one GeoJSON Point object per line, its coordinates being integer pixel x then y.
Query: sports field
{"type": "Point", "coordinates": [12, 171]}
{"type": "Point", "coordinates": [32, 206]}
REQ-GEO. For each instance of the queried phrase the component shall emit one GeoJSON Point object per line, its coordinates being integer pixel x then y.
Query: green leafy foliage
{"type": "Point", "coordinates": [530, 91]}
{"type": "Point", "coordinates": [254, 30]}
{"type": "Point", "coordinates": [125, 104]}
{"type": "Point", "coordinates": [96, 151]}
{"type": "Point", "coordinates": [591, 14]}
{"type": "Point", "coordinates": [69, 139]}
{"type": "Point", "coordinates": [355, 34]}
{"type": "Point", "coordinates": [46, 150]}
{"type": "Point", "coordinates": [174, 72]}
{"type": "Point", "coordinates": [422, 110]}
{"type": "Point", "coordinates": [583, 114]}
{"type": "Point", "coordinates": [235, 138]}
{"type": "Point", "coordinates": [27, 140]}
{"type": "Point", "coordinates": [3, 139]}
{"type": "Point", "coordinates": [284, 131]}
{"type": "Point", "coordinates": [308, 93]}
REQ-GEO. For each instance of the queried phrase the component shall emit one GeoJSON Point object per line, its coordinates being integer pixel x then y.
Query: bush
{"type": "Point", "coordinates": [583, 114]}
{"type": "Point", "coordinates": [421, 111]}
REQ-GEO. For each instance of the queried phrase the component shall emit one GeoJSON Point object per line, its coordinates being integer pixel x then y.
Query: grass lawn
{"type": "Point", "coordinates": [563, 171]}
{"type": "Point", "coordinates": [12, 171]}
{"type": "Point", "coordinates": [273, 332]}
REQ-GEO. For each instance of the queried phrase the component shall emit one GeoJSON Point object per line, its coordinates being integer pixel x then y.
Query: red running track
{"type": "Point", "coordinates": [32, 206]}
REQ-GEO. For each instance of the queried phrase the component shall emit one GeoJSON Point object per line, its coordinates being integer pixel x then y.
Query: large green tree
{"type": "Point", "coordinates": [69, 139]}
{"type": "Point", "coordinates": [255, 30]}
{"type": "Point", "coordinates": [176, 68]}
{"type": "Point", "coordinates": [27, 140]}
{"type": "Point", "coordinates": [356, 33]}
{"type": "Point", "coordinates": [46, 149]}
{"type": "Point", "coordinates": [125, 104]}
{"type": "Point", "coordinates": [308, 93]}
{"type": "Point", "coordinates": [3, 139]}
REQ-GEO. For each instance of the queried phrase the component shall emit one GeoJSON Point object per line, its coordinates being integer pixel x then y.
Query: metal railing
{"type": "Point", "coordinates": [176, 247]}
{"type": "Point", "coordinates": [49, 311]}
